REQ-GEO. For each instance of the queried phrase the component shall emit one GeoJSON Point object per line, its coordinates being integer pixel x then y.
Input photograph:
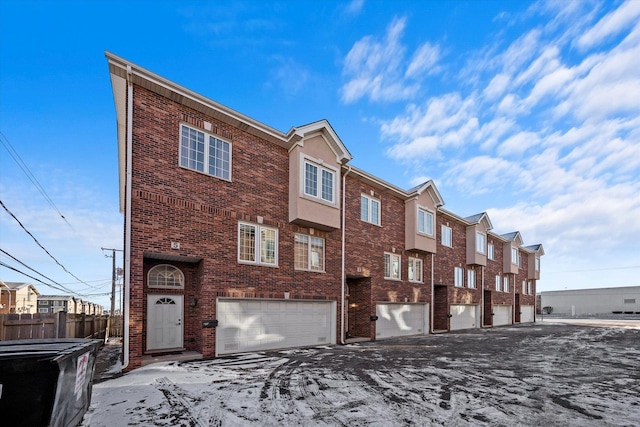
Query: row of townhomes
{"type": "Point", "coordinates": [24, 298]}
{"type": "Point", "coordinates": [239, 237]}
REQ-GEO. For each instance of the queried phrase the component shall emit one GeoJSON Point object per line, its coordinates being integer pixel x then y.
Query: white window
{"type": "Point", "coordinates": [165, 276]}
{"type": "Point", "coordinates": [43, 302]}
{"type": "Point", "coordinates": [498, 283]}
{"type": "Point", "coordinates": [257, 244]}
{"type": "Point", "coordinates": [369, 210]}
{"type": "Point", "coordinates": [458, 276]}
{"type": "Point", "coordinates": [490, 251]}
{"type": "Point", "coordinates": [447, 239]}
{"type": "Point", "coordinates": [471, 278]}
{"type": "Point", "coordinates": [537, 264]}
{"type": "Point", "coordinates": [58, 303]}
{"type": "Point", "coordinates": [415, 269]}
{"type": "Point", "coordinates": [505, 287]}
{"type": "Point", "coordinates": [308, 253]}
{"type": "Point", "coordinates": [515, 256]}
{"type": "Point", "coordinates": [205, 153]}
{"type": "Point", "coordinates": [531, 287]}
{"type": "Point", "coordinates": [524, 287]}
{"type": "Point", "coordinates": [319, 181]}
{"type": "Point", "coordinates": [43, 310]}
{"type": "Point", "coordinates": [481, 243]}
{"type": "Point", "coordinates": [391, 266]}
{"type": "Point", "coordinates": [425, 222]}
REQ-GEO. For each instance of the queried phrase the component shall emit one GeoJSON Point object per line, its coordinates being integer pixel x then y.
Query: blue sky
{"type": "Point", "coordinates": [527, 110]}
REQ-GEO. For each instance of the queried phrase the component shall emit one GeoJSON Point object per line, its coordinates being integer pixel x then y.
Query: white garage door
{"type": "Point", "coordinates": [464, 316]}
{"type": "Point", "coordinates": [527, 314]}
{"type": "Point", "coordinates": [398, 319]}
{"type": "Point", "coordinates": [253, 325]}
{"type": "Point", "coordinates": [501, 315]}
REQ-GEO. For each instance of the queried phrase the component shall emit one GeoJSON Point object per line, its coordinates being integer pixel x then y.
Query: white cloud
{"type": "Point", "coordinates": [613, 23]}
{"type": "Point", "coordinates": [424, 60]}
{"type": "Point", "coordinates": [480, 175]}
{"type": "Point", "coordinates": [354, 7]}
{"type": "Point", "coordinates": [519, 143]}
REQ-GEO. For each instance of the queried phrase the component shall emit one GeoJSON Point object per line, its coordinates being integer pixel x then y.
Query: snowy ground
{"type": "Point", "coordinates": [544, 374]}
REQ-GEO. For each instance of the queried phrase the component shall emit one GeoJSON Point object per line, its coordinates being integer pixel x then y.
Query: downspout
{"type": "Point", "coordinates": [433, 303]}
{"type": "Point", "coordinates": [127, 213]}
{"type": "Point", "coordinates": [513, 312]}
{"type": "Point", "coordinates": [482, 308]}
{"type": "Point", "coordinates": [344, 278]}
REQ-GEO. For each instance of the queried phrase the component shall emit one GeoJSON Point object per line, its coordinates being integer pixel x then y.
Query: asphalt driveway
{"type": "Point", "coordinates": [548, 374]}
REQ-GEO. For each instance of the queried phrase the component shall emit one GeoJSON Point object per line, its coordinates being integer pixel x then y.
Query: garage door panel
{"type": "Point", "coordinates": [395, 319]}
{"type": "Point", "coordinates": [464, 316]}
{"type": "Point", "coordinates": [527, 315]}
{"type": "Point", "coordinates": [501, 315]}
{"type": "Point", "coordinates": [255, 325]}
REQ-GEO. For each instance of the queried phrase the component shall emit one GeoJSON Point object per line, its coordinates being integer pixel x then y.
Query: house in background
{"type": "Point", "coordinates": [56, 303]}
{"type": "Point", "coordinates": [239, 237]}
{"type": "Point", "coordinates": [18, 297]}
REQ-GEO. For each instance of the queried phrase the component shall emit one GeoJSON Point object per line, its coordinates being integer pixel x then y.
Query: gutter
{"type": "Point", "coordinates": [344, 278]}
{"type": "Point", "coordinates": [433, 303]}
{"type": "Point", "coordinates": [127, 213]}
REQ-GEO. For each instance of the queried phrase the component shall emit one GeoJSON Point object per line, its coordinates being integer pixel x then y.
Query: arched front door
{"type": "Point", "coordinates": [164, 322]}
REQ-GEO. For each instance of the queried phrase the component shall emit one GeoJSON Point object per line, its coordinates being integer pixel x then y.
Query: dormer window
{"type": "Point", "coordinates": [425, 222]}
{"type": "Point", "coordinates": [481, 243]}
{"type": "Point", "coordinates": [537, 264]}
{"type": "Point", "coordinates": [515, 256]}
{"type": "Point", "coordinates": [319, 182]}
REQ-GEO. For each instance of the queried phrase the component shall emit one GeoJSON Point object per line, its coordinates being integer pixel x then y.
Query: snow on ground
{"type": "Point", "coordinates": [542, 374]}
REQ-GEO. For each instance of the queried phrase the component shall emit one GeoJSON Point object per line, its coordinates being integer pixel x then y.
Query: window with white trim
{"type": "Point", "coordinates": [505, 284]}
{"type": "Point", "coordinates": [165, 276]}
{"type": "Point", "coordinates": [425, 222]}
{"type": "Point", "coordinates": [491, 252]}
{"type": "Point", "coordinates": [308, 253]}
{"type": "Point", "coordinates": [204, 153]}
{"type": "Point", "coordinates": [471, 278]}
{"type": "Point", "coordinates": [447, 236]}
{"type": "Point", "coordinates": [481, 243]}
{"type": "Point", "coordinates": [43, 310]}
{"type": "Point", "coordinates": [458, 274]}
{"type": "Point", "coordinates": [392, 266]}
{"type": "Point", "coordinates": [515, 256]}
{"type": "Point", "coordinates": [369, 209]}
{"type": "Point", "coordinates": [415, 270]}
{"type": "Point", "coordinates": [43, 302]}
{"type": "Point", "coordinates": [319, 182]}
{"type": "Point", "coordinates": [257, 244]}
{"type": "Point", "coordinates": [498, 283]}
{"type": "Point", "coordinates": [531, 287]}
{"type": "Point", "coordinates": [537, 264]}
{"type": "Point", "coordinates": [524, 287]}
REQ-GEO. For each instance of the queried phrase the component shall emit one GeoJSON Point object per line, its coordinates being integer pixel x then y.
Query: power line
{"type": "Point", "coordinates": [39, 244]}
{"type": "Point", "coordinates": [35, 271]}
{"type": "Point", "coordinates": [16, 157]}
{"type": "Point", "coordinates": [36, 279]}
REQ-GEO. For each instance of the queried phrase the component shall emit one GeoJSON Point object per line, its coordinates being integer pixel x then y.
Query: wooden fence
{"type": "Point", "coordinates": [51, 325]}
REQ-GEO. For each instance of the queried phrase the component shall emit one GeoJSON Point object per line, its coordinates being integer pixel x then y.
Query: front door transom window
{"type": "Point", "coordinates": [165, 276]}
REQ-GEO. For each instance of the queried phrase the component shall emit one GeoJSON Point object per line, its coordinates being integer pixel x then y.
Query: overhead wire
{"type": "Point", "coordinates": [39, 244]}
{"type": "Point", "coordinates": [16, 158]}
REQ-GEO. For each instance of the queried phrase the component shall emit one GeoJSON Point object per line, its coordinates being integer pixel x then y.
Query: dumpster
{"type": "Point", "coordinates": [46, 382]}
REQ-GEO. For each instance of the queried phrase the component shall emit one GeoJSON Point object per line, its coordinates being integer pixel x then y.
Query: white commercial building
{"type": "Point", "coordinates": [593, 301]}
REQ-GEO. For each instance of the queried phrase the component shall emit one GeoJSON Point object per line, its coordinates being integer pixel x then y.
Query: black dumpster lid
{"type": "Point", "coordinates": [44, 348]}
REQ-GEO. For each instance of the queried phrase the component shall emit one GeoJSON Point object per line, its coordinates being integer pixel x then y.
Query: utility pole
{"type": "Point", "coordinates": [113, 277]}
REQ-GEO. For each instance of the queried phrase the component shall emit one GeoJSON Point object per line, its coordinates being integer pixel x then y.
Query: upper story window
{"type": "Point", "coordinates": [498, 283]}
{"type": "Point", "coordinates": [391, 266]}
{"type": "Point", "coordinates": [308, 253]}
{"type": "Point", "coordinates": [447, 238]}
{"type": "Point", "coordinates": [505, 284]}
{"type": "Point", "coordinates": [537, 264]}
{"type": "Point", "coordinates": [524, 287]}
{"type": "Point", "coordinates": [369, 209]}
{"type": "Point", "coordinates": [43, 302]}
{"type": "Point", "coordinates": [481, 243]}
{"type": "Point", "coordinates": [165, 276]}
{"type": "Point", "coordinates": [425, 222]}
{"type": "Point", "coordinates": [205, 153]}
{"type": "Point", "coordinates": [458, 276]}
{"type": "Point", "coordinates": [515, 256]}
{"type": "Point", "coordinates": [257, 244]}
{"type": "Point", "coordinates": [490, 251]}
{"type": "Point", "coordinates": [415, 270]}
{"type": "Point", "coordinates": [319, 181]}
{"type": "Point", "coordinates": [530, 287]}
{"type": "Point", "coordinates": [471, 278]}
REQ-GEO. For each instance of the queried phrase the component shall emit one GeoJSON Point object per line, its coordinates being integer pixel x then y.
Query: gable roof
{"type": "Point", "coordinates": [513, 237]}
{"type": "Point", "coordinates": [482, 217]}
{"type": "Point", "coordinates": [324, 128]}
{"type": "Point", "coordinates": [535, 248]}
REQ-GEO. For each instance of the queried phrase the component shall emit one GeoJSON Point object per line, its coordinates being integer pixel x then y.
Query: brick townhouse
{"type": "Point", "coordinates": [239, 237]}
